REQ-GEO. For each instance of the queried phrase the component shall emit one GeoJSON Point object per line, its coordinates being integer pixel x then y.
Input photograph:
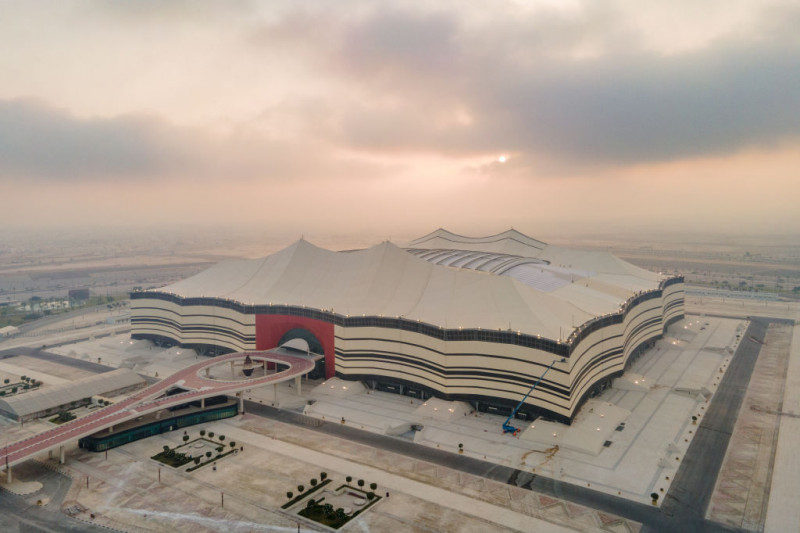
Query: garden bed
{"type": "Point", "coordinates": [193, 450]}
{"type": "Point", "coordinates": [335, 507]}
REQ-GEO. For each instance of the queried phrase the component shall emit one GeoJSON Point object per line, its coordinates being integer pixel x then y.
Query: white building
{"type": "Point", "coordinates": [475, 319]}
{"type": "Point", "coordinates": [8, 331]}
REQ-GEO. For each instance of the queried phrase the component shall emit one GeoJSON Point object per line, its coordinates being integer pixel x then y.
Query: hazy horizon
{"type": "Point", "coordinates": [390, 120]}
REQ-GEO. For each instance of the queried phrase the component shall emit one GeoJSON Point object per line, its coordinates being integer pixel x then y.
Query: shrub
{"type": "Point", "coordinates": [222, 437]}
{"type": "Point", "coordinates": [186, 438]}
{"type": "Point", "coordinates": [323, 476]}
{"type": "Point", "coordinates": [197, 460]}
{"type": "Point", "coordinates": [290, 495]}
{"type": "Point", "coordinates": [6, 381]}
{"type": "Point", "coordinates": [219, 449]}
{"type": "Point", "coordinates": [313, 482]}
{"type": "Point", "coordinates": [370, 496]}
{"type": "Point", "coordinates": [300, 488]}
{"type": "Point", "coordinates": [361, 483]}
{"type": "Point", "coordinates": [349, 479]}
{"type": "Point", "coordinates": [233, 444]}
{"type": "Point", "coordinates": [210, 434]}
{"type": "Point", "coordinates": [311, 503]}
{"type": "Point", "coordinates": [166, 448]}
{"type": "Point", "coordinates": [208, 454]}
{"type": "Point", "coordinates": [202, 432]}
{"type": "Point", "coordinates": [373, 486]}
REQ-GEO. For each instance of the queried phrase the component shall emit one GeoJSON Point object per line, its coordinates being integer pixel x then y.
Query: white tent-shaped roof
{"type": "Point", "coordinates": [385, 280]}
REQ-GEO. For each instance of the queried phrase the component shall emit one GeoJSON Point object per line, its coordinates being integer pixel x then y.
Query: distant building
{"type": "Point", "coordinates": [460, 318]}
{"type": "Point", "coordinates": [79, 294]}
{"type": "Point", "coordinates": [8, 331]}
{"type": "Point", "coordinates": [49, 400]}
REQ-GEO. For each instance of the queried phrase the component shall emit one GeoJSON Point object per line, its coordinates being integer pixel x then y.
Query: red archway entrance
{"type": "Point", "coordinates": [271, 328]}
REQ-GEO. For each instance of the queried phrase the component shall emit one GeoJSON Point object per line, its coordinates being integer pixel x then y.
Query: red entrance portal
{"type": "Point", "coordinates": [271, 328]}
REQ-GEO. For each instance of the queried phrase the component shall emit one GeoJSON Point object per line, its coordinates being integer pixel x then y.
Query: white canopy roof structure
{"type": "Point", "coordinates": [36, 401]}
{"type": "Point", "coordinates": [516, 283]}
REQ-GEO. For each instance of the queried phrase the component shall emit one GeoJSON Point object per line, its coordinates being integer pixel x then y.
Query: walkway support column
{"type": "Point", "coordinates": [297, 384]}
{"type": "Point", "coordinates": [202, 403]}
{"type": "Point", "coordinates": [9, 477]}
{"type": "Point", "coordinates": [275, 392]}
{"type": "Point", "coordinates": [61, 459]}
{"type": "Point", "coordinates": [241, 402]}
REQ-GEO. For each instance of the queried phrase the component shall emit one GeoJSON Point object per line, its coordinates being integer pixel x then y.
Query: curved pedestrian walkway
{"type": "Point", "coordinates": [153, 399]}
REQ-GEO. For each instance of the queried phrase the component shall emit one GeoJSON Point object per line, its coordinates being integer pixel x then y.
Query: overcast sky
{"type": "Point", "coordinates": [395, 118]}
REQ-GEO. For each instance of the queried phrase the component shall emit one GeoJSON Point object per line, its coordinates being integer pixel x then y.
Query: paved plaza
{"type": "Point", "coordinates": [650, 411]}
{"type": "Point", "coordinates": [643, 425]}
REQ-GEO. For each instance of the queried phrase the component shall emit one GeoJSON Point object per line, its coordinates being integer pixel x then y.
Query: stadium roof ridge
{"type": "Point", "coordinates": [385, 280]}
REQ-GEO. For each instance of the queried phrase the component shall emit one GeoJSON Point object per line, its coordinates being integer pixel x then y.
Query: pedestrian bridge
{"type": "Point", "coordinates": [194, 380]}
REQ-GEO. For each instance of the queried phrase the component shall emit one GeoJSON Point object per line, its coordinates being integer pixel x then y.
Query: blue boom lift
{"type": "Point", "coordinates": [507, 427]}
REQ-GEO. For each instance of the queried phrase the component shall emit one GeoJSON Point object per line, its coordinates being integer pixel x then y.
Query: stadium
{"type": "Point", "coordinates": [459, 318]}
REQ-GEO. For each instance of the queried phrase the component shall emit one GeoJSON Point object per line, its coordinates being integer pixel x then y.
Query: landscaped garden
{"type": "Point", "coordinates": [7, 388]}
{"type": "Point", "coordinates": [63, 416]}
{"type": "Point", "coordinates": [200, 451]}
{"type": "Point", "coordinates": [331, 507]}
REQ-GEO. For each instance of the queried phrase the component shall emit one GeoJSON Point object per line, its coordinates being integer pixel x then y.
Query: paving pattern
{"type": "Point", "coordinates": [742, 491]}
{"type": "Point", "coordinates": [555, 510]}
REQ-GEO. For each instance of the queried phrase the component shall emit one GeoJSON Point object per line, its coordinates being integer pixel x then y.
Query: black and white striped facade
{"type": "Point", "coordinates": [404, 342]}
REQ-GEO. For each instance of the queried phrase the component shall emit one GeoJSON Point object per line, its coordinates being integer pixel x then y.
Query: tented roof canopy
{"type": "Point", "coordinates": [385, 280]}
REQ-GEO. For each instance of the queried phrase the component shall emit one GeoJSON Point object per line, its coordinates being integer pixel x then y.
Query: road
{"type": "Point", "coordinates": [39, 353]}
{"type": "Point", "coordinates": [33, 325]}
{"type": "Point", "coordinates": [21, 514]}
{"type": "Point", "coordinates": [685, 504]}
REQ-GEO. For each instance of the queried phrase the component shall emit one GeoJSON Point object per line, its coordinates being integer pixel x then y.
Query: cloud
{"type": "Point", "coordinates": [38, 141]}
{"type": "Point", "coordinates": [578, 87]}
{"type": "Point", "coordinates": [47, 144]}
{"type": "Point", "coordinates": [647, 108]}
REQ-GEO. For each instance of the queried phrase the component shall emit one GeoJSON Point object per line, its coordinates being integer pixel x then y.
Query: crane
{"type": "Point", "coordinates": [507, 427]}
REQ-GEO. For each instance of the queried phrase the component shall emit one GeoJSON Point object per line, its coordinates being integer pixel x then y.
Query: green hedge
{"type": "Point", "coordinates": [303, 495]}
